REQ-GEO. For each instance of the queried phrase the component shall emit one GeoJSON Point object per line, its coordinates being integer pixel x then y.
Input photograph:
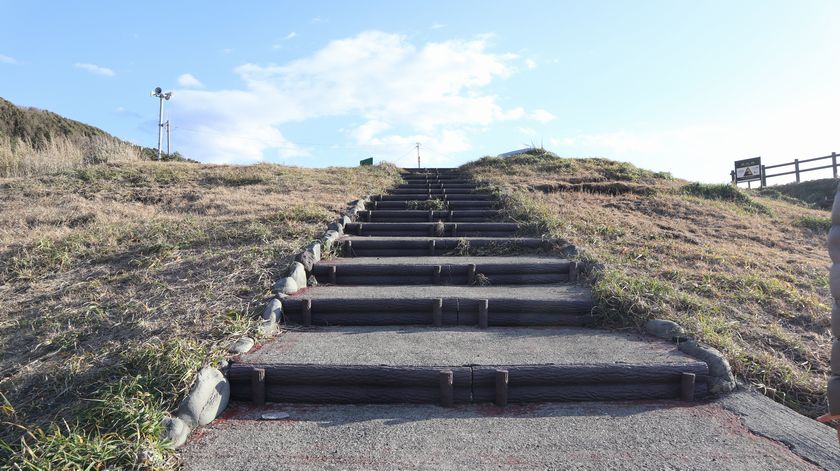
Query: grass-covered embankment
{"type": "Point", "coordinates": [742, 272]}
{"type": "Point", "coordinates": [118, 281]}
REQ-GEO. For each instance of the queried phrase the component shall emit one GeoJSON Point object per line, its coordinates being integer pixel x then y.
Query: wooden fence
{"type": "Point", "coordinates": [797, 170]}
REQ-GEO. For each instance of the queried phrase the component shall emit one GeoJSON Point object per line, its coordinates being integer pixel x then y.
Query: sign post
{"type": "Point", "coordinates": [748, 170]}
{"type": "Point", "coordinates": [368, 161]}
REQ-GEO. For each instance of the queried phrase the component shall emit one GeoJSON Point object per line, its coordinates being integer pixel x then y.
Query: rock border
{"type": "Point", "coordinates": [210, 392]}
{"type": "Point", "coordinates": [721, 379]}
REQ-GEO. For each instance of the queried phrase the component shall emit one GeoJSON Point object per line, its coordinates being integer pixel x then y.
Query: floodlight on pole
{"type": "Point", "coordinates": [158, 92]}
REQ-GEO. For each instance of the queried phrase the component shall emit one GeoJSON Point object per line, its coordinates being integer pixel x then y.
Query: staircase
{"type": "Point", "coordinates": [438, 299]}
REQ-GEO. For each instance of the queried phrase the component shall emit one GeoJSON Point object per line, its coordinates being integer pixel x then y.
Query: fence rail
{"type": "Point", "coordinates": [796, 168]}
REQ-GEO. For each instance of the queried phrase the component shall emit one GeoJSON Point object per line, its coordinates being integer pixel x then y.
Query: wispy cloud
{"type": "Point", "coordinates": [438, 25]}
{"type": "Point", "coordinates": [531, 63]}
{"type": "Point", "coordinates": [400, 93]}
{"type": "Point", "coordinates": [288, 37]}
{"type": "Point", "coordinates": [4, 59]}
{"type": "Point", "coordinates": [189, 80]}
{"type": "Point", "coordinates": [95, 69]}
{"type": "Point", "coordinates": [542, 116]}
{"type": "Point", "coordinates": [318, 19]}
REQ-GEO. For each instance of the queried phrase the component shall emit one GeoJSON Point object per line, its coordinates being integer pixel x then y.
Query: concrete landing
{"type": "Point", "coordinates": [462, 346]}
{"type": "Point", "coordinates": [582, 436]}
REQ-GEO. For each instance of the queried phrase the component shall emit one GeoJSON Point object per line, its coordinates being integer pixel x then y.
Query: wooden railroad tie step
{"type": "Point", "coordinates": [499, 384]}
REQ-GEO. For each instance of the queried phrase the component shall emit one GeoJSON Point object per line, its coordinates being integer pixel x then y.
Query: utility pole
{"type": "Point", "coordinates": [168, 139]}
{"type": "Point", "coordinates": [418, 155]}
{"type": "Point", "coordinates": [158, 92]}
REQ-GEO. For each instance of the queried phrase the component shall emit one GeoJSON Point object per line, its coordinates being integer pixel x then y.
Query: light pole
{"type": "Point", "coordinates": [158, 92]}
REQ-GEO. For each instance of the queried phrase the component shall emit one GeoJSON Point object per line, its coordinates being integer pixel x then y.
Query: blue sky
{"type": "Point", "coordinates": [685, 87]}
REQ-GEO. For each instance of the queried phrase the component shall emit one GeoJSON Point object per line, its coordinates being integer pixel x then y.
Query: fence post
{"type": "Point", "coordinates": [763, 176]}
{"type": "Point", "coordinates": [796, 169]}
{"type": "Point", "coordinates": [834, 163]}
{"type": "Point", "coordinates": [732, 174]}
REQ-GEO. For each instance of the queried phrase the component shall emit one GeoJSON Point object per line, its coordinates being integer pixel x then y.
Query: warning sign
{"type": "Point", "coordinates": [748, 170]}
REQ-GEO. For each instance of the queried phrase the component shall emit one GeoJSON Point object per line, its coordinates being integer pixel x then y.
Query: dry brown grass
{"type": "Point", "coordinates": [746, 274]}
{"type": "Point", "coordinates": [111, 258]}
{"type": "Point", "coordinates": [20, 158]}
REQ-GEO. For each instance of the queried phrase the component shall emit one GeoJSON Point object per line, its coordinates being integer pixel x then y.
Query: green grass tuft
{"type": "Point", "coordinates": [724, 192]}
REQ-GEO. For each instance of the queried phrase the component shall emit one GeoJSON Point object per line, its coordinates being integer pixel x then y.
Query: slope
{"type": "Point", "coordinates": [742, 272]}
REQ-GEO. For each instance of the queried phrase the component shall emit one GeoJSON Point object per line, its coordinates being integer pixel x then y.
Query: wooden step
{"type": "Point", "coordinates": [492, 271]}
{"type": "Point", "coordinates": [425, 216]}
{"type": "Point", "coordinates": [432, 229]}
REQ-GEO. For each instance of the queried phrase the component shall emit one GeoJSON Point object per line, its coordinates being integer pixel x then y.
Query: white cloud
{"type": "Point", "coordinates": [531, 63]}
{"type": "Point", "coordinates": [189, 80]}
{"type": "Point", "coordinates": [705, 151]}
{"type": "Point", "coordinates": [542, 116]}
{"type": "Point", "coordinates": [95, 69]}
{"type": "Point", "coordinates": [438, 25]}
{"type": "Point", "coordinates": [431, 93]}
{"type": "Point", "coordinates": [4, 59]}
{"type": "Point", "coordinates": [285, 38]}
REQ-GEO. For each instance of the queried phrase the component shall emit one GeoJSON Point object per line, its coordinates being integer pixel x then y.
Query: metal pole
{"type": "Point", "coordinates": [168, 139]}
{"type": "Point", "coordinates": [834, 163]}
{"type": "Point", "coordinates": [763, 176]}
{"type": "Point", "coordinates": [160, 128]}
{"type": "Point", "coordinates": [796, 168]}
{"type": "Point", "coordinates": [418, 155]}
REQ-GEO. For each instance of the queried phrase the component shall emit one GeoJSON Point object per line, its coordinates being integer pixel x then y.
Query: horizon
{"type": "Point", "coordinates": [687, 89]}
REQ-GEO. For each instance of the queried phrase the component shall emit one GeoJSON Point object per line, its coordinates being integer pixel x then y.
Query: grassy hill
{"type": "Point", "coordinates": [38, 141]}
{"type": "Point", "coordinates": [816, 193]}
{"type": "Point", "coordinates": [745, 273]}
{"type": "Point", "coordinates": [118, 281]}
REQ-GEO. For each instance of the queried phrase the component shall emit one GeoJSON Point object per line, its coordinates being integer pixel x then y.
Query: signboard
{"type": "Point", "coordinates": [368, 161]}
{"type": "Point", "coordinates": [748, 170]}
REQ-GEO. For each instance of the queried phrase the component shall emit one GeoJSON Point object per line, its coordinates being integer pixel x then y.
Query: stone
{"type": "Point", "coordinates": [268, 326]}
{"type": "Point", "coordinates": [334, 226]}
{"type": "Point", "coordinates": [298, 273]}
{"type": "Point", "coordinates": [243, 345]}
{"type": "Point", "coordinates": [286, 285]}
{"type": "Point", "coordinates": [315, 249]}
{"type": "Point", "coordinates": [345, 220]}
{"type": "Point", "coordinates": [721, 379]}
{"type": "Point", "coordinates": [175, 431]}
{"type": "Point", "coordinates": [664, 329]}
{"type": "Point", "coordinates": [569, 250]}
{"type": "Point", "coordinates": [312, 281]}
{"type": "Point", "coordinates": [273, 309]}
{"type": "Point", "coordinates": [331, 234]}
{"type": "Point", "coordinates": [274, 416]}
{"type": "Point", "coordinates": [307, 259]}
{"type": "Point", "coordinates": [207, 398]}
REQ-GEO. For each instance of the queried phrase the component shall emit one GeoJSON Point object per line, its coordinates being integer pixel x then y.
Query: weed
{"type": "Point", "coordinates": [815, 223]}
{"type": "Point", "coordinates": [435, 204]}
{"type": "Point", "coordinates": [481, 280]}
{"type": "Point", "coordinates": [724, 192]}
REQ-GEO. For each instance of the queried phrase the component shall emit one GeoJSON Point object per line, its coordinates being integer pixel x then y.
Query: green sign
{"type": "Point", "coordinates": [368, 161]}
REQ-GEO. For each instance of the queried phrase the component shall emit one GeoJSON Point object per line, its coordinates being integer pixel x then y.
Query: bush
{"type": "Point", "coordinates": [724, 192]}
